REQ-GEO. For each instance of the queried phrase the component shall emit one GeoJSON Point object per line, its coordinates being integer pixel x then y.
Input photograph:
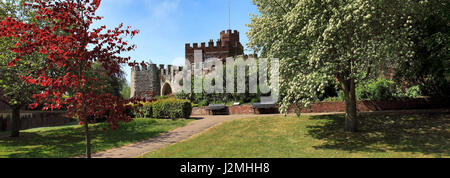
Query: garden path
{"type": "Point", "coordinates": [202, 124]}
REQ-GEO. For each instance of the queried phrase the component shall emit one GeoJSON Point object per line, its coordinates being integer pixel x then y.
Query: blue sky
{"type": "Point", "coordinates": [166, 25]}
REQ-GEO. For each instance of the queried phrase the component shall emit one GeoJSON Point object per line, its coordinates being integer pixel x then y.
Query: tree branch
{"type": "Point", "coordinates": [369, 69]}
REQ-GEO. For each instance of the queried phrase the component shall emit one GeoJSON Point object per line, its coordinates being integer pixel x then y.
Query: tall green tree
{"type": "Point", "coordinates": [319, 41]}
{"type": "Point", "coordinates": [113, 84]}
{"type": "Point", "coordinates": [125, 89]}
{"type": "Point", "coordinates": [430, 68]}
{"type": "Point", "coordinates": [71, 45]}
{"type": "Point", "coordinates": [15, 92]}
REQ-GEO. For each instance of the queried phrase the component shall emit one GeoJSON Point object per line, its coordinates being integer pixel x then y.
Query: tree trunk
{"type": "Point", "coordinates": [15, 121]}
{"type": "Point", "coordinates": [350, 105]}
{"type": "Point", "coordinates": [88, 138]}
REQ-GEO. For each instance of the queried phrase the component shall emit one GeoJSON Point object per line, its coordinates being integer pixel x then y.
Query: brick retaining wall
{"type": "Point", "coordinates": [420, 103]}
{"type": "Point", "coordinates": [35, 119]}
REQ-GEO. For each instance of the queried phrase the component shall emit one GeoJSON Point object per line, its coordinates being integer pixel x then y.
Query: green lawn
{"type": "Point", "coordinates": [380, 136]}
{"type": "Point", "coordinates": [68, 141]}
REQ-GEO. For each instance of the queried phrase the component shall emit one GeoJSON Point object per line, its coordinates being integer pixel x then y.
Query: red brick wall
{"type": "Point", "coordinates": [422, 103]}
{"type": "Point", "coordinates": [36, 119]}
{"type": "Point", "coordinates": [244, 109]}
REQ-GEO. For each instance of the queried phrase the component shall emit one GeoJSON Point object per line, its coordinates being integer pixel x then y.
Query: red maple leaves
{"type": "Point", "coordinates": [63, 33]}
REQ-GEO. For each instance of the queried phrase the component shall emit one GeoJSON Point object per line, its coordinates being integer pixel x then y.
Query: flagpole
{"type": "Point", "coordinates": [229, 14]}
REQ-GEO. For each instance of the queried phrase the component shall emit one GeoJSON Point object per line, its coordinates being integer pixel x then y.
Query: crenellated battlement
{"type": "Point", "coordinates": [227, 39]}
{"type": "Point", "coordinates": [138, 68]}
{"type": "Point", "coordinates": [219, 44]}
{"type": "Point", "coordinates": [150, 78]}
{"type": "Point", "coordinates": [170, 69]}
{"type": "Point", "coordinates": [160, 79]}
{"type": "Point", "coordinates": [229, 32]}
{"type": "Point", "coordinates": [227, 46]}
{"type": "Point", "coordinates": [151, 68]}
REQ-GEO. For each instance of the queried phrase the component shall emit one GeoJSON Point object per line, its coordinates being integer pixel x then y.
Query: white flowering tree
{"type": "Point", "coordinates": [346, 41]}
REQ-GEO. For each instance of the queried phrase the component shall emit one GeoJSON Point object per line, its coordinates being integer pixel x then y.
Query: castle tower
{"type": "Point", "coordinates": [145, 81]}
{"type": "Point", "coordinates": [228, 45]}
{"type": "Point", "coordinates": [153, 80]}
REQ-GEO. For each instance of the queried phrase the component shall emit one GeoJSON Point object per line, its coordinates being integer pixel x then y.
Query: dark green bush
{"type": "Point", "coordinates": [202, 103]}
{"type": "Point", "coordinates": [255, 100]}
{"type": "Point", "coordinates": [145, 111]}
{"type": "Point", "coordinates": [381, 89]}
{"type": "Point", "coordinates": [171, 108]}
{"type": "Point", "coordinates": [413, 92]}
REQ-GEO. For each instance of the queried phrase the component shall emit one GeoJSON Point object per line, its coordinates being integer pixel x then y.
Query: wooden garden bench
{"type": "Point", "coordinates": [216, 108]}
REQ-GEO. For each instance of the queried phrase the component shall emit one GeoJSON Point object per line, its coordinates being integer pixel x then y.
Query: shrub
{"type": "Point", "coordinates": [145, 111]}
{"type": "Point", "coordinates": [171, 108]}
{"type": "Point", "coordinates": [413, 92]}
{"type": "Point", "coordinates": [203, 103]}
{"type": "Point", "coordinates": [381, 89]}
{"type": "Point", "coordinates": [161, 97]}
{"type": "Point", "coordinates": [255, 100]}
{"type": "Point", "coordinates": [340, 97]}
{"type": "Point", "coordinates": [332, 99]}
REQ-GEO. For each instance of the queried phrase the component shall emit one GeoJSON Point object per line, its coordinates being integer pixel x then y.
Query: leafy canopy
{"type": "Point", "coordinates": [318, 41]}
{"type": "Point", "coordinates": [70, 44]}
{"type": "Point", "coordinates": [13, 90]}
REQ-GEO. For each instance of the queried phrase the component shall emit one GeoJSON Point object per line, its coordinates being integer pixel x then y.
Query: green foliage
{"type": "Point", "coordinates": [126, 90]}
{"type": "Point", "coordinates": [15, 91]}
{"type": "Point", "coordinates": [255, 100]}
{"type": "Point", "coordinates": [381, 89]}
{"type": "Point", "coordinates": [319, 41]}
{"type": "Point", "coordinates": [204, 98]}
{"type": "Point", "coordinates": [146, 111]}
{"type": "Point", "coordinates": [115, 84]}
{"type": "Point", "coordinates": [335, 98]}
{"type": "Point", "coordinates": [67, 141]}
{"type": "Point", "coordinates": [171, 108]}
{"type": "Point", "coordinates": [165, 108]}
{"type": "Point", "coordinates": [430, 67]}
{"type": "Point", "coordinates": [161, 97]}
{"type": "Point", "coordinates": [203, 103]}
{"type": "Point", "coordinates": [413, 92]}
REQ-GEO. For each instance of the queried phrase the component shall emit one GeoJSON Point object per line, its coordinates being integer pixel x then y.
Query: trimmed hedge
{"type": "Point", "coordinates": [169, 108]}
{"type": "Point", "coordinates": [145, 111]}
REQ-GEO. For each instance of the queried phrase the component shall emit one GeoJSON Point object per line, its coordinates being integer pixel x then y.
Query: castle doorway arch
{"type": "Point", "coordinates": [166, 90]}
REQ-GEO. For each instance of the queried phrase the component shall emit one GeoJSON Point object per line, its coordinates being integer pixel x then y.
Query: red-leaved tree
{"type": "Point", "coordinates": [72, 45]}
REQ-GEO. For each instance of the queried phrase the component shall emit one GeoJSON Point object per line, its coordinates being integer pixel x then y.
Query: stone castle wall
{"type": "Point", "coordinates": [144, 80]}
{"type": "Point", "coordinates": [227, 46]}
{"type": "Point", "coordinates": [148, 81]}
{"type": "Point", "coordinates": [153, 80]}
